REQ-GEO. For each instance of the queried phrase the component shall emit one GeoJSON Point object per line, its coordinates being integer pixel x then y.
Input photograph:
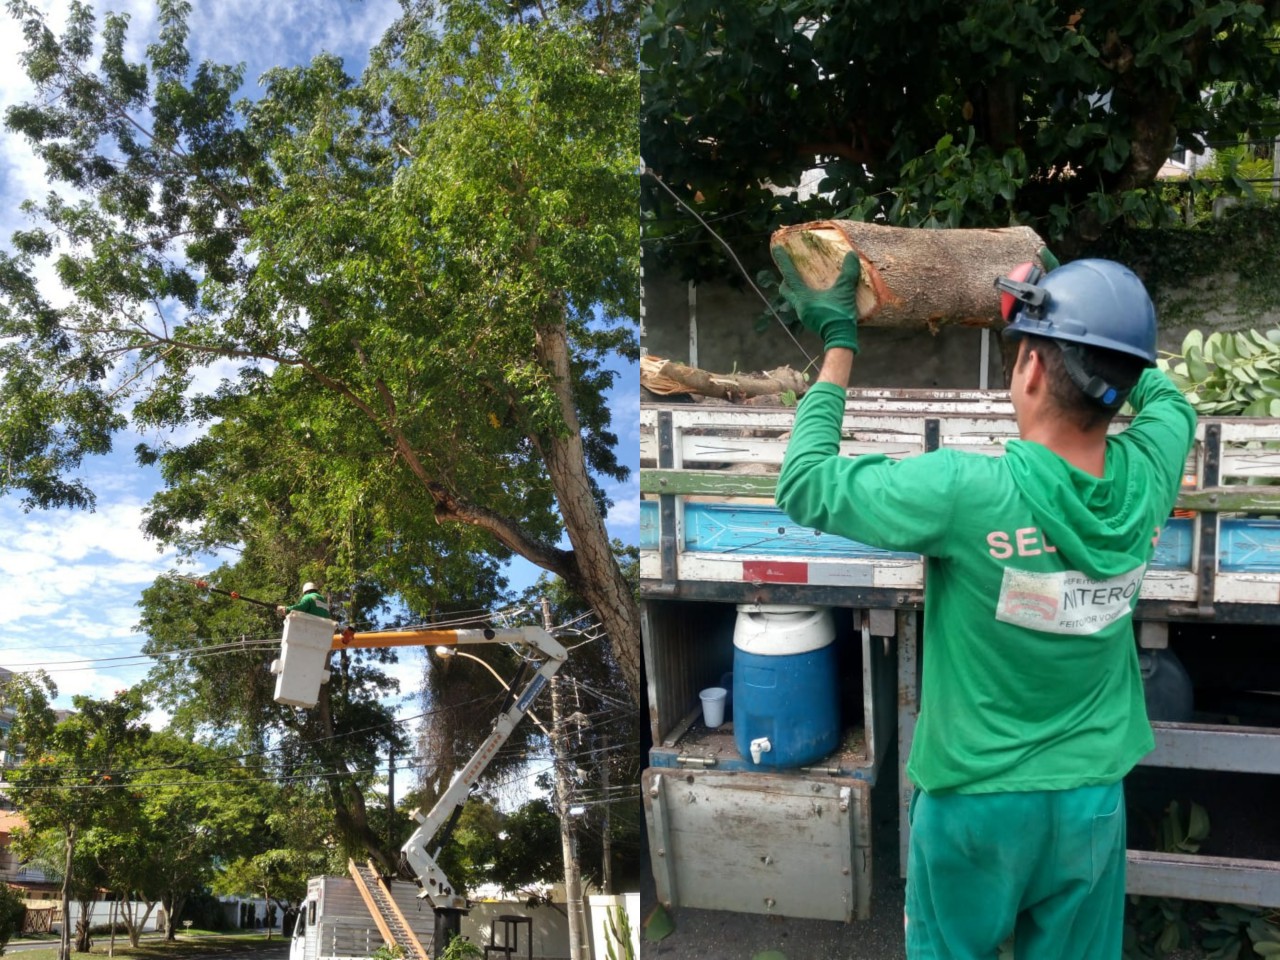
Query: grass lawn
{"type": "Point", "coordinates": [195, 943]}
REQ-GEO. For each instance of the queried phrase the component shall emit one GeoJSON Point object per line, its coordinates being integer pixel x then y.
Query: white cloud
{"type": "Point", "coordinates": [262, 36]}
{"type": "Point", "coordinates": [624, 516]}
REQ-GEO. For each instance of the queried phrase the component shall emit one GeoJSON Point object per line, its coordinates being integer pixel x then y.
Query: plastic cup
{"type": "Point", "coordinates": [713, 706]}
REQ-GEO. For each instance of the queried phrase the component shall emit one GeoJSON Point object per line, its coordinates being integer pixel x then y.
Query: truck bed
{"type": "Point", "coordinates": [712, 538]}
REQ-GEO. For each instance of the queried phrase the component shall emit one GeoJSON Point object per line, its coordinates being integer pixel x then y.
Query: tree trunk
{"type": "Point", "coordinates": [174, 905]}
{"type": "Point", "coordinates": [64, 940]}
{"type": "Point", "coordinates": [83, 941]}
{"type": "Point", "coordinates": [266, 897]}
{"type": "Point", "coordinates": [350, 815]}
{"type": "Point", "coordinates": [910, 276]}
{"type": "Point", "coordinates": [133, 922]}
{"type": "Point", "coordinates": [597, 577]}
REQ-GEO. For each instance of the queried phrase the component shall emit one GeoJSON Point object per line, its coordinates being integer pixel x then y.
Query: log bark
{"type": "Point", "coordinates": [668, 376]}
{"type": "Point", "coordinates": [913, 277]}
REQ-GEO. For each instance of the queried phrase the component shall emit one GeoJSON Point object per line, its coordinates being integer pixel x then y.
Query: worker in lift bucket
{"type": "Point", "coordinates": [312, 602]}
{"type": "Point", "coordinates": [1031, 706]}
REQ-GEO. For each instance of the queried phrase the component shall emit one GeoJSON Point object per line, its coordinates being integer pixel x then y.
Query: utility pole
{"type": "Point", "coordinates": [391, 799]}
{"type": "Point", "coordinates": [606, 842]}
{"type": "Point", "coordinates": [568, 842]}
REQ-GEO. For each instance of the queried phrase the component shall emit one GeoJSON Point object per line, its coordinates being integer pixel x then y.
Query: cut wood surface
{"type": "Point", "coordinates": [913, 276]}
{"type": "Point", "coordinates": [666, 377]}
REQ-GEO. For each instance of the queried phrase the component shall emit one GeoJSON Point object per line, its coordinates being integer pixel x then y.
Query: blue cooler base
{"type": "Point", "coordinates": [792, 701]}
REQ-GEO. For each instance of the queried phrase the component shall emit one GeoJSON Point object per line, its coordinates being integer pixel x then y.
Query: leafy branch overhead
{"type": "Point", "coordinates": [980, 114]}
{"type": "Point", "coordinates": [412, 283]}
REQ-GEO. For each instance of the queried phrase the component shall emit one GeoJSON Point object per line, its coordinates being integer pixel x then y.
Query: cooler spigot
{"type": "Point", "coordinates": [758, 746]}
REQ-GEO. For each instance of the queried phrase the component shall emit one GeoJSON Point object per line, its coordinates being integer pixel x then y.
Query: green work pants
{"type": "Point", "coordinates": [1047, 867]}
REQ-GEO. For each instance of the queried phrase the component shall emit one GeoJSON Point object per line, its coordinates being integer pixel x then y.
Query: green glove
{"type": "Point", "coordinates": [1048, 259]}
{"type": "Point", "coordinates": [832, 313]}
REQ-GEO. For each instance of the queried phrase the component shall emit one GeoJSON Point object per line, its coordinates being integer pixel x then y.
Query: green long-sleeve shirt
{"type": "Point", "coordinates": [1033, 567]}
{"type": "Point", "coordinates": [312, 603]}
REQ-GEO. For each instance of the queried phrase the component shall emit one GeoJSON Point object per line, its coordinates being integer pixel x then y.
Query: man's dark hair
{"type": "Point", "coordinates": [1121, 370]}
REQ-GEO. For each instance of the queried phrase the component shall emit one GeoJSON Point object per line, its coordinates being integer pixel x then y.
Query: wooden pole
{"type": "Point", "coordinates": [568, 842]}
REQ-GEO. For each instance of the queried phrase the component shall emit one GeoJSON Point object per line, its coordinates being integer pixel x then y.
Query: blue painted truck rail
{"type": "Point", "coordinates": [1245, 545]}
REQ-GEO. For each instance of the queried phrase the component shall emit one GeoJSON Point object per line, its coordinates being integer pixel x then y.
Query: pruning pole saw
{"type": "Point", "coordinates": [205, 585]}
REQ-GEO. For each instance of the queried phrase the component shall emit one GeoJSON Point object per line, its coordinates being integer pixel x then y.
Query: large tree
{"type": "Point", "coordinates": [935, 113]}
{"type": "Point", "coordinates": [333, 746]}
{"type": "Point", "coordinates": [291, 844]}
{"type": "Point", "coordinates": [421, 276]}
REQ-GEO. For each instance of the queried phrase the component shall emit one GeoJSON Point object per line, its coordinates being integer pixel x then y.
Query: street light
{"type": "Point", "coordinates": [447, 653]}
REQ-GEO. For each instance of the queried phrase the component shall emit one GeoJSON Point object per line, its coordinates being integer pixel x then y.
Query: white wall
{"type": "Point", "coordinates": [101, 913]}
{"type": "Point", "coordinates": [551, 928]}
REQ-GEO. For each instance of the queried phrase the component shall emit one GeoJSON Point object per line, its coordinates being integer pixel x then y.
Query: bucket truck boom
{"type": "Point", "coordinates": [301, 669]}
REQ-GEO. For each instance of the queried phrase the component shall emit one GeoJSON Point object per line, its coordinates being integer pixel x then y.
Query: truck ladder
{"type": "Point", "coordinates": [386, 914]}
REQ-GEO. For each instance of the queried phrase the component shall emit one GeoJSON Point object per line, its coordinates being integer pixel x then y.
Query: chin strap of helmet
{"type": "Point", "coordinates": [1092, 385]}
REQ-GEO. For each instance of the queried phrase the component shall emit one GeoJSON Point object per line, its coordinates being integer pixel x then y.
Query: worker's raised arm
{"type": "Point", "coordinates": [1164, 425]}
{"type": "Point", "coordinates": [872, 499]}
{"type": "Point", "coordinates": [1159, 406]}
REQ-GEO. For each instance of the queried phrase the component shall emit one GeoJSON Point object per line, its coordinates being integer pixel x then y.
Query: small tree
{"type": "Point", "coordinates": [12, 912]}
{"type": "Point", "coordinates": [74, 770]}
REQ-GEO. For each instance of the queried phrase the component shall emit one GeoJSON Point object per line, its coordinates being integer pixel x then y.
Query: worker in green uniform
{"type": "Point", "coordinates": [312, 602]}
{"type": "Point", "coordinates": [1031, 707]}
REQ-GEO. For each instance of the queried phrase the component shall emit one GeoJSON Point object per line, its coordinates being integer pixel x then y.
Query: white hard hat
{"type": "Point", "coordinates": [308, 587]}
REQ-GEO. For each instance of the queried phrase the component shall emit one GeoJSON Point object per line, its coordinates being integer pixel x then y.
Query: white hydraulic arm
{"type": "Point", "coordinates": [435, 884]}
{"type": "Point", "coordinates": [301, 669]}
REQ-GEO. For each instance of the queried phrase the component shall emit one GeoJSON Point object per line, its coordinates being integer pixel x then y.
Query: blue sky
{"type": "Point", "coordinates": [70, 580]}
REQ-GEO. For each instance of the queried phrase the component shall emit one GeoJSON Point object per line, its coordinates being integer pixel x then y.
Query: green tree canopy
{"type": "Point", "coordinates": [515, 850]}
{"type": "Point", "coordinates": [937, 114]}
{"type": "Point", "coordinates": [417, 278]}
{"type": "Point", "coordinates": [73, 777]}
{"type": "Point", "coordinates": [334, 747]}
{"type": "Point", "coordinates": [196, 806]}
{"type": "Point", "coordinates": [12, 912]}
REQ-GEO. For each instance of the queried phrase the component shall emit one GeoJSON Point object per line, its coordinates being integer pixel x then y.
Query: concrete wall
{"type": "Point", "coordinates": [719, 328]}
{"type": "Point", "coordinates": [101, 912]}
{"type": "Point", "coordinates": [551, 928]}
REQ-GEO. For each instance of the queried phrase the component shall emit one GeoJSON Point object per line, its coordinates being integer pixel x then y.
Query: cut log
{"type": "Point", "coordinates": [666, 377]}
{"type": "Point", "coordinates": [913, 277]}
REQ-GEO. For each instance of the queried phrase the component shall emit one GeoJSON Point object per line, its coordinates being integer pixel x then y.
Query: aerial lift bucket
{"type": "Point", "coordinates": [303, 653]}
